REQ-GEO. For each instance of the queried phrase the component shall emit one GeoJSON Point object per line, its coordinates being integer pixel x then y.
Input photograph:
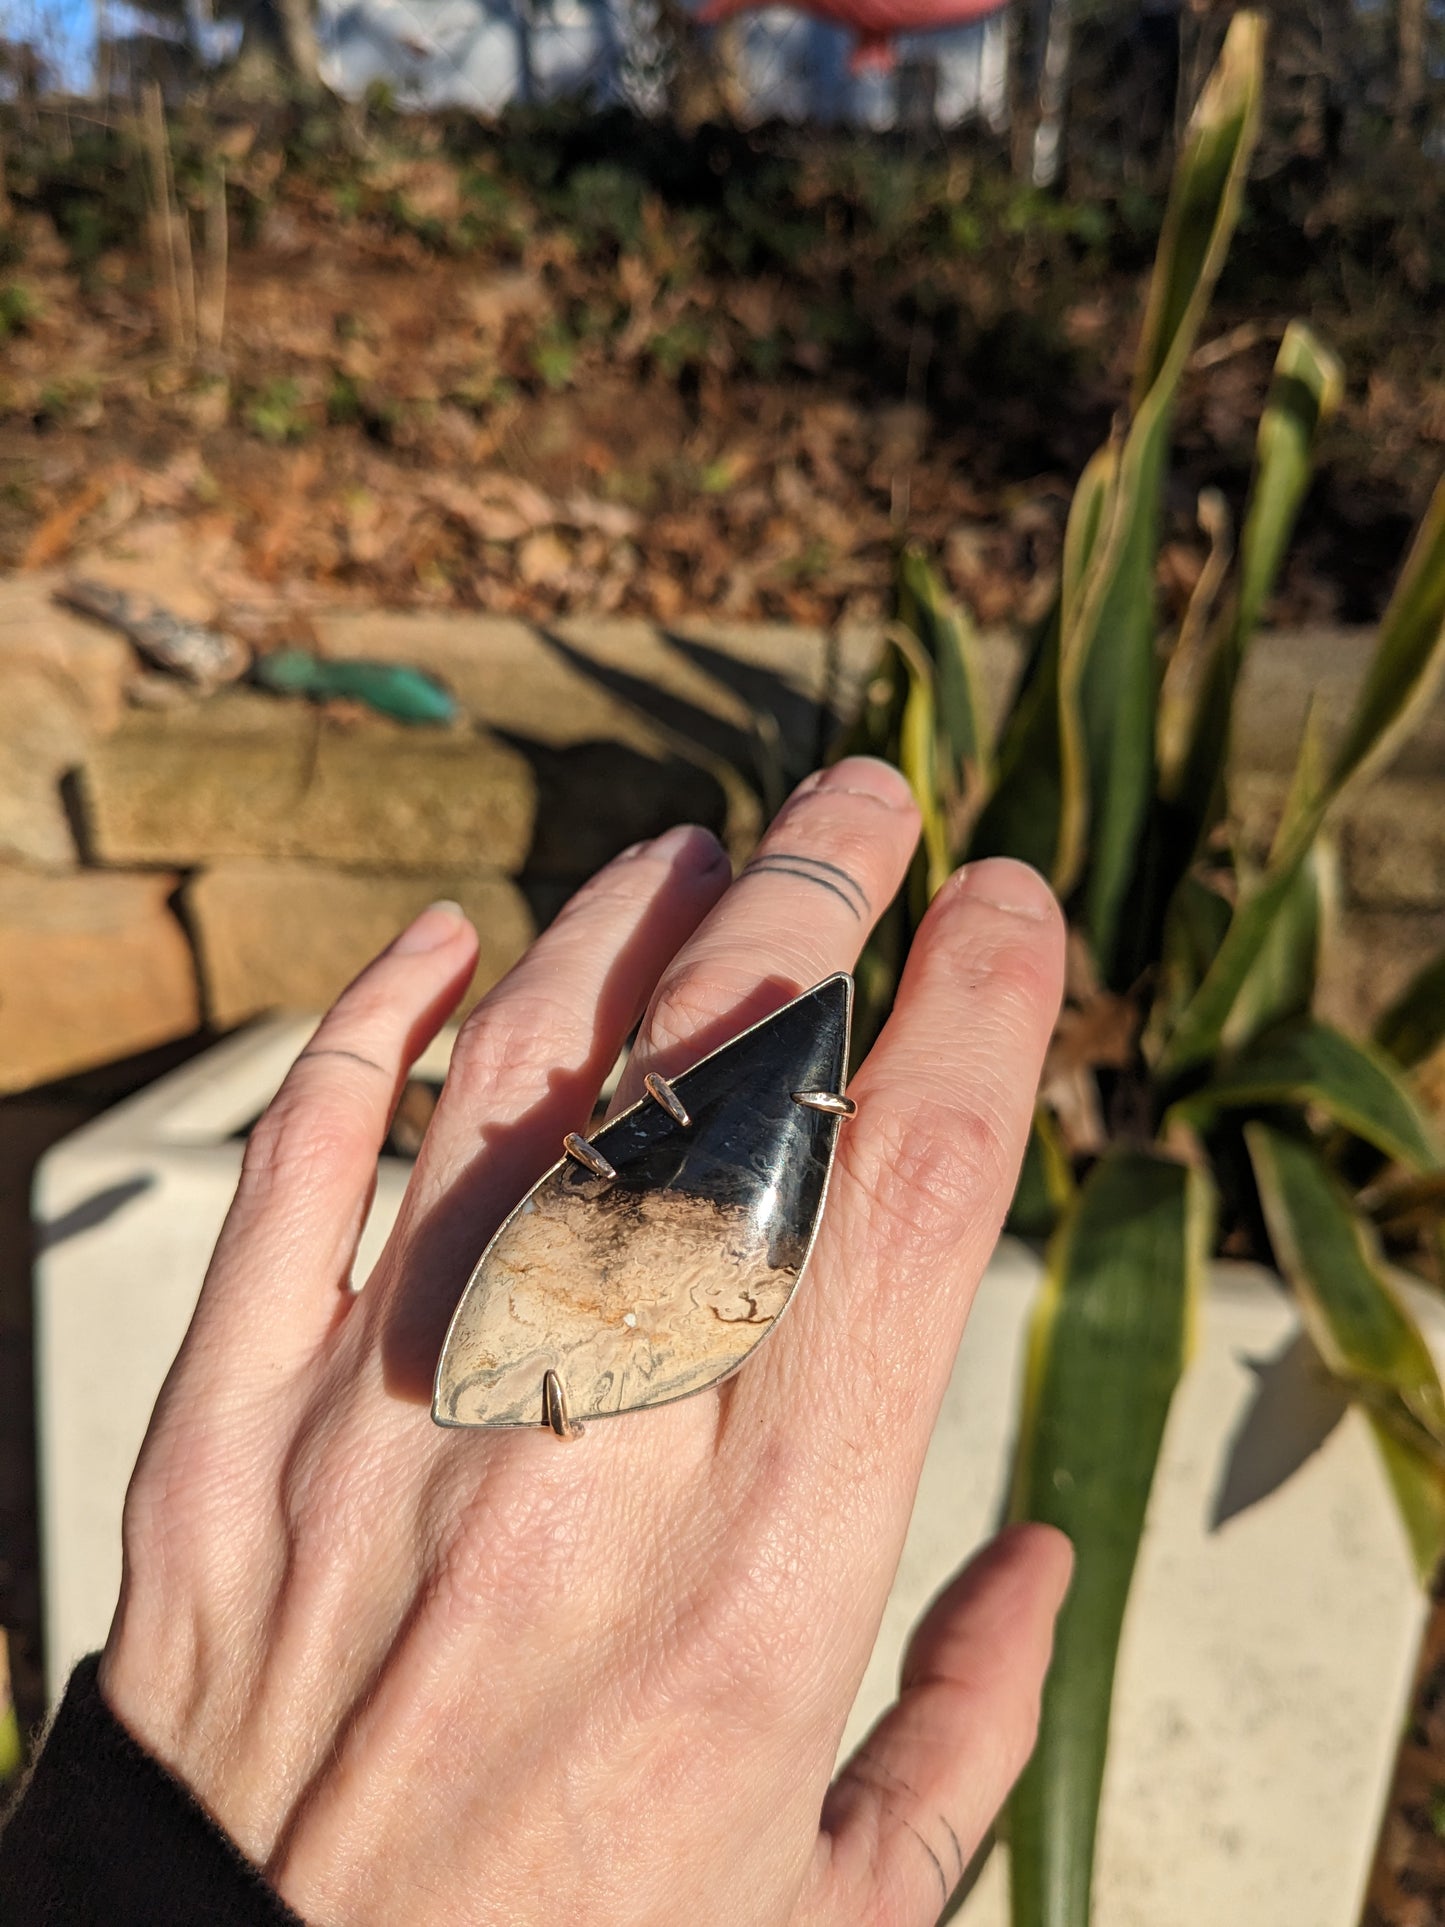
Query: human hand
{"type": "Point", "coordinates": [421, 1673]}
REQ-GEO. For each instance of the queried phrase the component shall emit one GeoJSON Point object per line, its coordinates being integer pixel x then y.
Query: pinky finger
{"type": "Point", "coordinates": [910, 1809]}
{"type": "Point", "coordinates": [290, 1237]}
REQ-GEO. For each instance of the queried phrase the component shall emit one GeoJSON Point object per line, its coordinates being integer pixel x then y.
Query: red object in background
{"type": "Point", "coordinates": [875, 22]}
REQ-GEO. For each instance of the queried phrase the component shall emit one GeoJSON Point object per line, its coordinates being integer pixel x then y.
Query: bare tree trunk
{"type": "Point", "coordinates": [702, 82]}
{"type": "Point", "coordinates": [298, 36]}
{"type": "Point", "coordinates": [1047, 167]}
{"type": "Point", "coordinates": [278, 42]}
{"type": "Point", "coordinates": [1410, 67]}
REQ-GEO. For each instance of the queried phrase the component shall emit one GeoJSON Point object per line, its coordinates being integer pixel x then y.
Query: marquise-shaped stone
{"type": "Point", "coordinates": [655, 1284]}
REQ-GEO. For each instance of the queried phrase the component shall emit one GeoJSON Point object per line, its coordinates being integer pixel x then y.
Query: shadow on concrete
{"type": "Point", "coordinates": [1296, 1406]}
{"type": "Point", "coordinates": [30, 1123]}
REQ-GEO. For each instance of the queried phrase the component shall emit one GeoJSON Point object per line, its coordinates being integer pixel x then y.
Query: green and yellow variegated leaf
{"type": "Point", "coordinates": [1108, 1342]}
{"type": "Point", "coordinates": [1021, 817]}
{"type": "Point", "coordinates": [12, 1752]}
{"type": "Point", "coordinates": [1204, 196]}
{"type": "Point", "coordinates": [947, 637]}
{"type": "Point", "coordinates": [1198, 919]}
{"type": "Point", "coordinates": [1089, 512]}
{"type": "Point", "coordinates": [1406, 667]}
{"type": "Point", "coordinates": [1281, 983]}
{"type": "Point", "coordinates": [1045, 1189]}
{"type": "Point", "coordinates": [1190, 657]}
{"type": "Point", "coordinates": [1418, 1483]}
{"type": "Point", "coordinates": [918, 760]}
{"type": "Point", "coordinates": [1308, 1063]}
{"type": "Point", "coordinates": [1414, 1025]}
{"type": "Point", "coordinates": [1107, 661]}
{"type": "Point", "coordinates": [874, 730]}
{"type": "Point", "coordinates": [1305, 394]}
{"type": "Point", "coordinates": [1359, 1323]}
{"type": "Point", "coordinates": [1409, 658]}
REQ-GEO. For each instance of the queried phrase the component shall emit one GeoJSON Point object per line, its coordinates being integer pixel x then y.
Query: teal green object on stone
{"type": "Point", "coordinates": [393, 689]}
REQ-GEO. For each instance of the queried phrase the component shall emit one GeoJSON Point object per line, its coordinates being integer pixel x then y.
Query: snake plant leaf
{"type": "Point", "coordinates": [1305, 392]}
{"type": "Point", "coordinates": [1360, 1325]}
{"type": "Point", "coordinates": [1091, 513]}
{"type": "Point", "coordinates": [1046, 1188]}
{"type": "Point", "coordinates": [1108, 1343]}
{"type": "Point", "coordinates": [392, 689]}
{"type": "Point", "coordinates": [1088, 513]}
{"type": "Point", "coordinates": [1191, 656]}
{"type": "Point", "coordinates": [1039, 808]}
{"type": "Point", "coordinates": [1307, 1062]}
{"type": "Point", "coordinates": [1419, 1488]}
{"type": "Point", "coordinates": [1414, 1024]}
{"type": "Point", "coordinates": [1193, 931]}
{"type": "Point", "coordinates": [12, 1750]}
{"type": "Point", "coordinates": [1107, 658]}
{"type": "Point", "coordinates": [1022, 815]}
{"type": "Point", "coordinates": [1206, 176]}
{"type": "Point", "coordinates": [918, 760]}
{"type": "Point", "coordinates": [947, 635]}
{"type": "Point", "coordinates": [1408, 661]}
{"type": "Point", "coordinates": [874, 729]}
{"type": "Point", "coordinates": [1281, 982]}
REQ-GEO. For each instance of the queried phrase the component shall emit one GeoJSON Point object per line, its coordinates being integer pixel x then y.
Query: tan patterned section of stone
{"type": "Point", "coordinates": [630, 1307]}
{"type": "Point", "coordinates": [289, 936]}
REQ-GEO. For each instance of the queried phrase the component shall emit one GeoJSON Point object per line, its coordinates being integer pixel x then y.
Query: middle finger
{"type": "Point", "coordinates": [801, 909]}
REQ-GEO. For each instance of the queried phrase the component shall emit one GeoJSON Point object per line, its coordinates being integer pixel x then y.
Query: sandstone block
{"type": "Point", "coordinates": [1376, 954]}
{"type": "Point", "coordinates": [87, 663]}
{"type": "Point", "coordinates": [1289, 671]}
{"type": "Point", "coordinates": [1393, 843]}
{"type": "Point", "coordinates": [245, 776]}
{"type": "Point", "coordinates": [91, 968]}
{"type": "Point", "coordinates": [289, 936]}
{"type": "Point", "coordinates": [615, 681]}
{"type": "Point", "coordinates": [42, 737]}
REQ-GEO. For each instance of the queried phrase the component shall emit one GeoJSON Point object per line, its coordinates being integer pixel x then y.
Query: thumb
{"type": "Point", "coordinates": [908, 1811]}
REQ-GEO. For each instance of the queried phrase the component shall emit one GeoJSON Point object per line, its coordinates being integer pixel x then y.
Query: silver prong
{"type": "Point", "coordinates": [554, 1408]}
{"type": "Point", "coordinates": [661, 1092]}
{"type": "Point", "coordinates": [588, 1155]}
{"type": "Point", "coordinates": [830, 1102]}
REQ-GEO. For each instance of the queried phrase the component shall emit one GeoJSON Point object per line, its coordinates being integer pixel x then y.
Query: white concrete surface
{"type": "Point", "coordinates": [1266, 1660]}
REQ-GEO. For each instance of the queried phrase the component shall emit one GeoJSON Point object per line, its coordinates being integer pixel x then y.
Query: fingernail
{"type": "Point", "coordinates": [867, 776]}
{"type": "Point", "coordinates": [1005, 884]}
{"type": "Point", "coordinates": [691, 843]}
{"type": "Point", "coordinates": [436, 925]}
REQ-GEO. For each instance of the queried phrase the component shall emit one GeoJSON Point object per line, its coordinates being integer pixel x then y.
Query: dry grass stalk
{"type": "Point", "coordinates": [211, 304]}
{"type": "Point", "coordinates": [169, 232]}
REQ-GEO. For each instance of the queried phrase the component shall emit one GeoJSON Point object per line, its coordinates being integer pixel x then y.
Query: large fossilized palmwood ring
{"type": "Point", "coordinates": [649, 1264]}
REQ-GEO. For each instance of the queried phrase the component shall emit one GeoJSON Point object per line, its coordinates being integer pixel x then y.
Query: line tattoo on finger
{"type": "Point", "coordinates": [334, 1050]}
{"type": "Point", "coordinates": [812, 869]}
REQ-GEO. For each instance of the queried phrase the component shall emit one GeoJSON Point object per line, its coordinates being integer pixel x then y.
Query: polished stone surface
{"type": "Point", "coordinates": [658, 1283]}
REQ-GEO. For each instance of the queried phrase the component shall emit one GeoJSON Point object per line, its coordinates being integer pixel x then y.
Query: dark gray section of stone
{"type": "Point", "coordinates": [749, 1148]}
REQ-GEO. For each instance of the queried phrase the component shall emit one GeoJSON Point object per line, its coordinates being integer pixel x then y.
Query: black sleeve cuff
{"type": "Point", "coordinates": [103, 1836]}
